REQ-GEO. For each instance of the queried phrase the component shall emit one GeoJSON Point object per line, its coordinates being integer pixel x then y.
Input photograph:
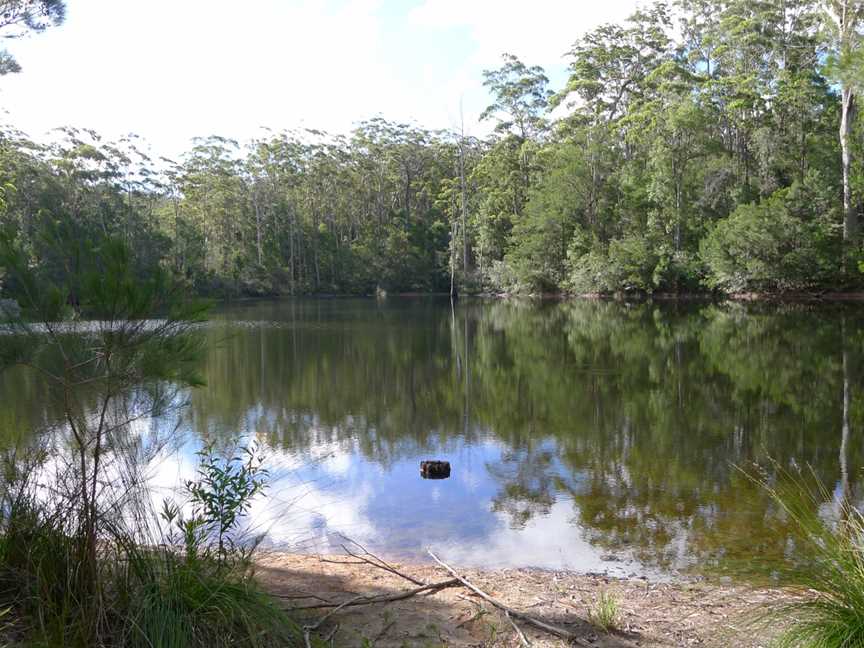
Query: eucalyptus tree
{"type": "Point", "coordinates": [846, 18]}
{"type": "Point", "coordinates": [215, 199]}
{"type": "Point", "coordinates": [507, 171]}
{"type": "Point", "coordinates": [520, 98]}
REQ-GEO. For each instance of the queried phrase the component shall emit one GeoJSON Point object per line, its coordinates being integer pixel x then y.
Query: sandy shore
{"type": "Point", "coordinates": [653, 614]}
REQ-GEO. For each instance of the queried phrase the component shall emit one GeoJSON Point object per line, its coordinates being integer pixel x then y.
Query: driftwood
{"type": "Point", "coordinates": [371, 599]}
{"type": "Point", "coordinates": [426, 589]}
{"type": "Point", "coordinates": [368, 599]}
{"type": "Point", "coordinates": [510, 612]}
{"type": "Point", "coordinates": [371, 559]}
{"type": "Point", "coordinates": [522, 638]}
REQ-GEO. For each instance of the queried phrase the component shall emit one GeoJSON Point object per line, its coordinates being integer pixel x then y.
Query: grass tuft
{"type": "Point", "coordinates": [827, 579]}
{"type": "Point", "coordinates": [178, 603]}
{"type": "Point", "coordinates": [605, 614]}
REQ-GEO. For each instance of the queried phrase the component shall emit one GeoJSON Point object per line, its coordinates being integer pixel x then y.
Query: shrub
{"type": "Point", "coordinates": [499, 276]}
{"type": "Point", "coordinates": [590, 272]}
{"type": "Point", "coordinates": [175, 601]}
{"type": "Point", "coordinates": [627, 265]}
{"type": "Point", "coordinates": [633, 260]}
{"type": "Point", "coordinates": [763, 247]}
{"type": "Point", "coordinates": [9, 309]}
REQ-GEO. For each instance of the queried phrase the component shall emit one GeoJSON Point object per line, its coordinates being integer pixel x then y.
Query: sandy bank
{"type": "Point", "coordinates": [652, 614]}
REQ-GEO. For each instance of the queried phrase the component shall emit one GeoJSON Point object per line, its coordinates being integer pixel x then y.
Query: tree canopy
{"type": "Point", "coordinates": [698, 145]}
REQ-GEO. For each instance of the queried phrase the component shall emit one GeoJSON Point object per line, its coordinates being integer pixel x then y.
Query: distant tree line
{"type": "Point", "coordinates": [700, 145]}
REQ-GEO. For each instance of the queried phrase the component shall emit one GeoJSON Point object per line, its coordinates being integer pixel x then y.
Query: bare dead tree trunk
{"type": "Point", "coordinates": [850, 215]}
{"type": "Point", "coordinates": [464, 192]}
{"type": "Point", "coordinates": [257, 205]}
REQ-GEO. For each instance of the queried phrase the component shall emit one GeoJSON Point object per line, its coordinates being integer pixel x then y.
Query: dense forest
{"type": "Point", "coordinates": [700, 145]}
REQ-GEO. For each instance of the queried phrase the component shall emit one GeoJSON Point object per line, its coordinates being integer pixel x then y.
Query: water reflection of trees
{"type": "Point", "coordinates": [638, 414]}
{"type": "Point", "coordinates": [648, 408]}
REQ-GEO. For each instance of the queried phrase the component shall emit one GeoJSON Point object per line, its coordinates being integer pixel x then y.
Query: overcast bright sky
{"type": "Point", "coordinates": [170, 70]}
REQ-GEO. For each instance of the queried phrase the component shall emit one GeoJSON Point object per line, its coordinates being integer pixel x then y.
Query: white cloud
{"type": "Point", "coordinates": [539, 32]}
{"type": "Point", "coordinates": [548, 541]}
{"type": "Point", "coordinates": [171, 70]}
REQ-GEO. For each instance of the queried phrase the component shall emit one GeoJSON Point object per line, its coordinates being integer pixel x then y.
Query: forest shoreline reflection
{"type": "Point", "coordinates": [617, 429]}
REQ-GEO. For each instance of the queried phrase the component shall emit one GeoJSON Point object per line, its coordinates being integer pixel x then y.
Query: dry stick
{"type": "Point", "coordinates": [351, 601]}
{"type": "Point", "coordinates": [537, 623]}
{"type": "Point", "coordinates": [518, 630]}
{"type": "Point", "coordinates": [383, 632]}
{"type": "Point", "coordinates": [380, 564]}
{"type": "Point", "coordinates": [332, 634]}
{"type": "Point", "coordinates": [373, 560]}
{"type": "Point", "coordinates": [341, 562]}
{"type": "Point", "coordinates": [370, 599]}
{"type": "Point", "coordinates": [380, 560]}
{"type": "Point", "coordinates": [303, 595]}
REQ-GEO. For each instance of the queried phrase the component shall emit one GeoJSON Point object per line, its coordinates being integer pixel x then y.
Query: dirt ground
{"type": "Point", "coordinates": [652, 614]}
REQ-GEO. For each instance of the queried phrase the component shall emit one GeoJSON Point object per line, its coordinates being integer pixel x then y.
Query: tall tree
{"type": "Point", "coordinates": [847, 20]}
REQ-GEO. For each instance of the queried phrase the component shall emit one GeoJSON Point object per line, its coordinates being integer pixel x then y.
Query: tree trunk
{"type": "Point", "coordinates": [464, 188]}
{"type": "Point", "coordinates": [258, 232]}
{"type": "Point", "coordinates": [850, 216]}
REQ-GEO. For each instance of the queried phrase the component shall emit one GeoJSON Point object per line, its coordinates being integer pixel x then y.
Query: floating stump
{"type": "Point", "coordinates": [434, 469]}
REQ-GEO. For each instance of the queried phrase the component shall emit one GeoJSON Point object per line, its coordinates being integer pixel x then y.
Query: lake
{"type": "Point", "coordinates": [585, 435]}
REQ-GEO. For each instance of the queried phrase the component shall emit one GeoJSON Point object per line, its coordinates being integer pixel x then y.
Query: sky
{"type": "Point", "coordinates": [171, 70]}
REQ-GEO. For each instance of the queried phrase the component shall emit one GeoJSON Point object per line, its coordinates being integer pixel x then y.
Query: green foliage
{"type": "Point", "coordinates": [220, 497]}
{"type": "Point", "coordinates": [199, 589]}
{"type": "Point", "coordinates": [630, 264]}
{"type": "Point", "coordinates": [153, 594]}
{"type": "Point", "coordinates": [682, 123]}
{"type": "Point", "coordinates": [177, 603]}
{"type": "Point", "coordinates": [763, 247]}
{"type": "Point", "coordinates": [520, 95]}
{"type": "Point", "coordinates": [19, 17]}
{"type": "Point", "coordinates": [113, 340]}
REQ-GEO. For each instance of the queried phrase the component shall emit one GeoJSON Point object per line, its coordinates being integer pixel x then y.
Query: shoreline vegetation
{"type": "Point", "coordinates": [827, 296]}
{"type": "Point", "coordinates": [695, 146]}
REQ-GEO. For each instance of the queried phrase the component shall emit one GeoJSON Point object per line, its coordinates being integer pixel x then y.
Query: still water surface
{"type": "Point", "coordinates": [585, 435]}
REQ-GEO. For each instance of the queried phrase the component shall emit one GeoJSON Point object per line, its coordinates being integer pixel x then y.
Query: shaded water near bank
{"type": "Point", "coordinates": [585, 435]}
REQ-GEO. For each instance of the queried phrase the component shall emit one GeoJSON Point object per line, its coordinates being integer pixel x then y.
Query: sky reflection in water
{"type": "Point", "coordinates": [589, 436]}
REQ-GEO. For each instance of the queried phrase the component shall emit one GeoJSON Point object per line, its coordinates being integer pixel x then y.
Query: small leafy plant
{"type": "Point", "coordinates": [220, 497]}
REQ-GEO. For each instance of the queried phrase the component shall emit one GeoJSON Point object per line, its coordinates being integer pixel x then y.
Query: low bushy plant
{"type": "Point", "coordinates": [192, 585]}
{"type": "Point", "coordinates": [765, 247]}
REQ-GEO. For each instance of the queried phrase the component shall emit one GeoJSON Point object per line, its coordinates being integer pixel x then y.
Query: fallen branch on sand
{"type": "Point", "coordinates": [375, 561]}
{"type": "Point", "coordinates": [510, 612]}
{"type": "Point", "coordinates": [370, 599]}
{"type": "Point", "coordinates": [427, 589]}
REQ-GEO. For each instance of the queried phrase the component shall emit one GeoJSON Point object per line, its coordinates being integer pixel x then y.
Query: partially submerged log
{"type": "Point", "coordinates": [434, 469]}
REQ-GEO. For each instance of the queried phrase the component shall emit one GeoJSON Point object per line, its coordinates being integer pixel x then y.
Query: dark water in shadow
{"type": "Point", "coordinates": [585, 435]}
